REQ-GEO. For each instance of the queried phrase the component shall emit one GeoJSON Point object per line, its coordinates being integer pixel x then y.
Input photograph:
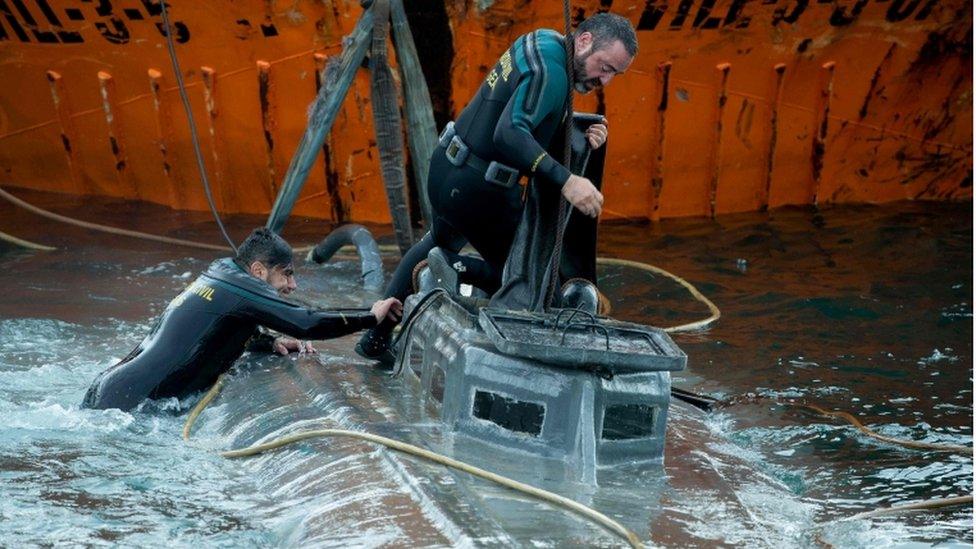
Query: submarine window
{"type": "Point", "coordinates": [437, 383]}
{"type": "Point", "coordinates": [508, 413]}
{"type": "Point", "coordinates": [416, 358]}
{"type": "Point", "coordinates": [628, 421]}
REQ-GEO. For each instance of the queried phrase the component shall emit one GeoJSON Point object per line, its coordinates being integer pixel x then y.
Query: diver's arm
{"type": "Point", "coordinates": [301, 322]}
{"type": "Point", "coordinates": [305, 323]}
{"type": "Point", "coordinates": [539, 94]}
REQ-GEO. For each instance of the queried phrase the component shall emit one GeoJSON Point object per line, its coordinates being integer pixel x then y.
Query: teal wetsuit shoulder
{"type": "Point", "coordinates": [520, 105]}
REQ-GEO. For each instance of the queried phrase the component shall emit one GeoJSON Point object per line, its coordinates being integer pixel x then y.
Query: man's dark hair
{"type": "Point", "coordinates": [607, 28]}
{"type": "Point", "coordinates": [265, 246]}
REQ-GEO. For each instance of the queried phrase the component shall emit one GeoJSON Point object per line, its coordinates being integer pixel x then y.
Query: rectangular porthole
{"type": "Point", "coordinates": [628, 421]}
{"type": "Point", "coordinates": [437, 383]}
{"type": "Point", "coordinates": [509, 413]}
{"type": "Point", "coordinates": [416, 358]}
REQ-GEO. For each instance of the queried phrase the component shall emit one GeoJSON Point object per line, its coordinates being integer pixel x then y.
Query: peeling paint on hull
{"type": "Point", "coordinates": [841, 102]}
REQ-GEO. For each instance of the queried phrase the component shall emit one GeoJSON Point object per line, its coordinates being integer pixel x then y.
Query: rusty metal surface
{"type": "Point", "coordinates": [730, 106]}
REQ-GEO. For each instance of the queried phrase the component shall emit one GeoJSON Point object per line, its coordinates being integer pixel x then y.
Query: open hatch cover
{"type": "Point", "coordinates": [577, 339]}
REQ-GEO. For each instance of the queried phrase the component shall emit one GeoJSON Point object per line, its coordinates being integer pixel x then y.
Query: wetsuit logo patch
{"type": "Point", "coordinates": [492, 78]}
{"type": "Point", "coordinates": [506, 66]}
{"type": "Point", "coordinates": [506, 63]}
{"type": "Point", "coordinates": [201, 290]}
{"type": "Point", "coordinates": [204, 291]}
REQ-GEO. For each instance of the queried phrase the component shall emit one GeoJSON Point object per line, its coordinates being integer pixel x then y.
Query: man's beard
{"type": "Point", "coordinates": [580, 83]}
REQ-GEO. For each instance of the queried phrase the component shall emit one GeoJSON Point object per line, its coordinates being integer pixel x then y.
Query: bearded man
{"type": "Point", "coordinates": [499, 137]}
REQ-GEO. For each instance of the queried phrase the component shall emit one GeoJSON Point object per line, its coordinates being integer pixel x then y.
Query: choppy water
{"type": "Point", "coordinates": [867, 310]}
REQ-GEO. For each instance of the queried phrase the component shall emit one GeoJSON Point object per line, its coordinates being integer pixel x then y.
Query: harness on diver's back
{"type": "Point", "coordinates": [459, 154]}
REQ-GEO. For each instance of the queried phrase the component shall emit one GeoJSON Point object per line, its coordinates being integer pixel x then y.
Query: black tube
{"type": "Point", "coordinates": [366, 247]}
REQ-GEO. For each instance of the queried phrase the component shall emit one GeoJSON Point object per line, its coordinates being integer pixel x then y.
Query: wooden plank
{"type": "Point", "coordinates": [323, 114]}
{"type": "Point", "coordinates": [389, 130]}
{"type": "Point", "coordinates": [421, 128]}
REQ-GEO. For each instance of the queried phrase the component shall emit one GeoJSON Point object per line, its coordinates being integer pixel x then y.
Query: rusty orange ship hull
{"type": "Point", "coordinates": [730, 106]}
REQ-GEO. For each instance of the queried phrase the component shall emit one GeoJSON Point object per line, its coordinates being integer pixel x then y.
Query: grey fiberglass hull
{"type": "Point", "coordinates": [343, 492]}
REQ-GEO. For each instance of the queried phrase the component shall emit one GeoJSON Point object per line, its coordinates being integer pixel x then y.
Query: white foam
{"type": "Point", "coordinates": [46, 416]}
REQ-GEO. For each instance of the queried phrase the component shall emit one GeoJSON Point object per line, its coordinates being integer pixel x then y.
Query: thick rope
{"type": "Point", "coordinates": [193, 125]}
{"type": "Point", "coordinates": [564, 208]}
{"type": "Point", "coordinates": [699, 325]}
{"type": "Point", "coordinates": [539, 493]}
{"type": "Point", "coordinates": [24, 243]}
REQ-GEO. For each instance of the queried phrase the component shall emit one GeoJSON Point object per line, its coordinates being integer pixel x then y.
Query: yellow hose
{"type": "Point", "coordinates": [539, 493]}
{"type": "Point", "coordinates": [632, 539]}
{"type": "Point", "coordinates": [136, 234]}
{"type": "Point", "coordinates": [24, 243]}
{"type": "Point", "coordinates": [919, 505]}
{"type": "Point", "coordinates": [954, 448]}
{"type": "Point", "coordinates": [544, 495]}
{"type": "Point", "coordinates": [106, 229]}
{"type": "Point", "coordinates": [699, 325]}
{"type": "Point", "coordinates": [191, 418]}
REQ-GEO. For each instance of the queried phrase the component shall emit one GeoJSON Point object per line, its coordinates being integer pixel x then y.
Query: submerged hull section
{"type": "Point", "coordinates": [343, 492]}
{"type": "Point", "coordinates": [569, 415]}
{"type": "Point", "coordinates": [730, 106]}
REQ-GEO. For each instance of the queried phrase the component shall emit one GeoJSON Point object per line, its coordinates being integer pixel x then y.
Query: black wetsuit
{"type": "Point", "coordinates": [204, 330]}
{"type": "Point", "coordinates": [512, 120]}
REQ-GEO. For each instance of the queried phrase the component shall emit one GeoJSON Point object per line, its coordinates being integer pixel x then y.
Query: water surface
{"type": "Point", "coordinates": [861, 309]}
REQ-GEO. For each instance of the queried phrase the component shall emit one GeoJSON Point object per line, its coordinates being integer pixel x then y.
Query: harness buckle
{"type": "Point", "coordinates": [457, 151]}
{"type": "Point", "coordinates": [446, 134]}
{"type": "Point", "coordinates": [501, 175]}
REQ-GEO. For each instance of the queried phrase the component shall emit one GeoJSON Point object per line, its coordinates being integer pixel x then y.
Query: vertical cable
{"type": "Point", "coordinates": [193, 126]}
{"type": "Point", "coordinates": [564, 208]}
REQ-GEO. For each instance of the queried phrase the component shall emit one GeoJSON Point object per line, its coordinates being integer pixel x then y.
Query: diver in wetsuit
{"type": "Point", "coordinates": [501, 135]}
{"type": "Point", "coordinates": [208, 326]}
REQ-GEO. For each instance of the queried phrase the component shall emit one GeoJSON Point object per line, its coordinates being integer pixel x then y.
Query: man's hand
{"type": "Point", "coordinates": [284, 345]}
{"type": "Point", "coordinates": [389, 308]}
{"type": "Point", "coordinates": [581, 193]}
{"type": "Point", "coordinates": [596, 134]}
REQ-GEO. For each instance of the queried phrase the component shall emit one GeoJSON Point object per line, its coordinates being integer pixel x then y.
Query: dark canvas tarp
{"type": "Point", "coordinates": [526, 274]}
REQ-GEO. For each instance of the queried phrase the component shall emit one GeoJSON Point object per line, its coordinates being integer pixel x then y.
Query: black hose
{"type": "Point", "coordinates": [366, 247]}
{"type": "Point", "coordinates": [193, 125]}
